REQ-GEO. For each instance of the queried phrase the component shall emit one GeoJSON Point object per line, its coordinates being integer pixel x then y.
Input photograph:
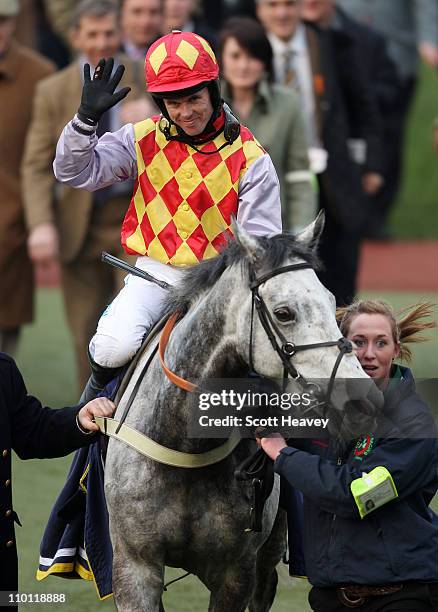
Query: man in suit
{"type": "Point", "coordinates": [20, 71]}
{"type": "Point", "coordinates": [33, 431]}
{"type": "Point", "coordinates": [181, 15]}
{"type": "Point", "coordinates": [410, 28]}
{"type": "Point", "coordinates": [322, 66]}
{"type": "Point", "coordinates": [142, 22]}
{"type": "Point", "coordinates": [381, 74]}
{"type": "Point", "coordinates": [75, 225]}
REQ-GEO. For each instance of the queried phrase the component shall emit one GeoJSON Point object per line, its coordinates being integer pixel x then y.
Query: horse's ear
{"type": "Point", "coordinates": [248, 243]}
{"type": "Point", "coordinates": [311, 234]}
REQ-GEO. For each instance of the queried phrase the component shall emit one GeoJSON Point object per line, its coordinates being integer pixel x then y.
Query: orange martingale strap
{"type": "Point", "coordinates": [164, 338]}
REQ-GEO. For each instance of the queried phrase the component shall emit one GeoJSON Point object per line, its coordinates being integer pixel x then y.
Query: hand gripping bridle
{"type": "Point", "coordinates": [284, 348]}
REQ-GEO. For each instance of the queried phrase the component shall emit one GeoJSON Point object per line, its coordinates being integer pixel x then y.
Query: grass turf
{"type": "Point", "coordinates": [415, 213]}
{"type": "Point", "coordinates": [46, 361]}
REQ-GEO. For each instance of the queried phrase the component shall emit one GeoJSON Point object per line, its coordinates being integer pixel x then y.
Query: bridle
{"type": "Point", "coordinates": [284, 348]}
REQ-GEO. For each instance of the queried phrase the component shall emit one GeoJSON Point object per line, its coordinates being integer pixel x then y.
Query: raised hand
{"type": "Point", "coordinates": [98, 92]}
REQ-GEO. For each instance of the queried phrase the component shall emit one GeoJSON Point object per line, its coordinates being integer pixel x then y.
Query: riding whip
{"type": "Point", "coordinates": [119, 263]}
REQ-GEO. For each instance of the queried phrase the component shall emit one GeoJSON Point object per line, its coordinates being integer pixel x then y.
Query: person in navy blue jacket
{"type": "Point", "coordinates": [33, 432]}
{"type": "Point", "coordinates": [370, 538]}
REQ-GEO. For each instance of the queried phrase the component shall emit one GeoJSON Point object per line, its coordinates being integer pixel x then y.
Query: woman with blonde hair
{"type": "Point", "coordinates": [370, 537]}
{"type": "Point", "coordinates": [413, 320]}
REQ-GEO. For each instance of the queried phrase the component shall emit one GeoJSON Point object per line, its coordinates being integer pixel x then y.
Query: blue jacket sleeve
{"type": "Point", "coordinates": [411, 462]}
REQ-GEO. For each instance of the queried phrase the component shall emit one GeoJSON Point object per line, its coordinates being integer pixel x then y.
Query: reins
{"type": "Point", "coordinates": [284, 348]}
{"type": "Point", "coordinates": [164, 339]}
{"type": "Point", "coordinates": [145, 445]}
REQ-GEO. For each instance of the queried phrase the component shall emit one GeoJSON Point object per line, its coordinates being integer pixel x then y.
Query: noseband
{"type": "Point", "coordinates": [284, 348]}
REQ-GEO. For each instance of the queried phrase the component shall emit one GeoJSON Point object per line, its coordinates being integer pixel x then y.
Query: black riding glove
{"type": "Point", "coordinates": [98, 93]}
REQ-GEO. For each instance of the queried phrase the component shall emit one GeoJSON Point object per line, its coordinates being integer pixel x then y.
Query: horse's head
{"type": "Point", "coordinates": [287, 324]}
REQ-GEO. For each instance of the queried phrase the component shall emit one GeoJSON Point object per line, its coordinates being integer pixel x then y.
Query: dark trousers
{"type": "Point", "coordinates": [339, 251]}
{"type": "Point", "coordinates": [394, 129]}
{"type": "Point", "coordinates": [415, 597]}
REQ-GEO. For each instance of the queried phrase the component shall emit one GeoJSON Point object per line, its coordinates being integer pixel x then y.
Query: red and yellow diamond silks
{"type": "Point", "coordinates": [181, 208]}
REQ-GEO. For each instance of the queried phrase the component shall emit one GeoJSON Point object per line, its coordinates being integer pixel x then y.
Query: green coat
{"type": "Point", "coordinates": [276, 121]}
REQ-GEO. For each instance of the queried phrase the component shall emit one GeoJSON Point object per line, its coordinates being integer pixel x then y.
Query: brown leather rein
{"type": "Point", "coordinates": [164, 339]}
{"type": "Point", "coordinates": [148, 447]}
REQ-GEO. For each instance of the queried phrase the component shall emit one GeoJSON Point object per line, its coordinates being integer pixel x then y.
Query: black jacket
{"type": "Point", "coordinates": [379, 68]}
{"type": "Point", "coordinates": [347, 107]}
{"type": "Point", "coordinates": [396, 542]}
{"type": "Point", "coordinates": [33, 432]}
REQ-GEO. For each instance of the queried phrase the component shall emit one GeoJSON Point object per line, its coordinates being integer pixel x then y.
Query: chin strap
{"type": "Point", "coordinates": [230, 128]}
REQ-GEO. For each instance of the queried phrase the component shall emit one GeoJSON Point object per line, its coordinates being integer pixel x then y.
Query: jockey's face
{"type": "Point", "coordinates": [191, 113]}
{"type": "Point", "coordinates": [375, 347]}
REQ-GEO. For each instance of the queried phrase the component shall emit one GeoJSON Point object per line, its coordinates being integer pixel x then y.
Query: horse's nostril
{"type": "Point", "coordinates": [368, 408]}
{"type": "Point", "coordinates": [364, 389]}
{"type": "Point", "coordinates": [375, 397]}
{"type": "Point", "coordinates": [314, 390]}
{"type": "Point", "coordinates": [359, 408]}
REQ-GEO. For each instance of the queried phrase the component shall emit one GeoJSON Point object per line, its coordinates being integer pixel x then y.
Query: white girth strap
{"type": "Point", "coordinates": [162, 454]}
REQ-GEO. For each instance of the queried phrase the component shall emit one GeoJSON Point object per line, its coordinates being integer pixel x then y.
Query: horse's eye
{"type": "Point", "coordinates": [284, 315]}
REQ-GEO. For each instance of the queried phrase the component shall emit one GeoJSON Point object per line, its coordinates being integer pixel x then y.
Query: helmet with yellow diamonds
{"type": "Point", "coordinates": [178, 65]}
{"type": "Point", "coordinates": [179, 61]}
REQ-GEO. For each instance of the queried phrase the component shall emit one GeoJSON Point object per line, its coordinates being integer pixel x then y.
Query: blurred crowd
{"type": "Point", "coordinates": [326, 86]}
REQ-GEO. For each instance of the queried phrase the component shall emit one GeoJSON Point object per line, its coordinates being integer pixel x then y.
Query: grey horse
{"type": "Point", "coordinates": [195, 519]}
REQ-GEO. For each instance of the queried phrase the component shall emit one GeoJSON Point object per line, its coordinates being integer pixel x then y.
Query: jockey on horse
{"type": "Point", "coordinates": [195, 167]}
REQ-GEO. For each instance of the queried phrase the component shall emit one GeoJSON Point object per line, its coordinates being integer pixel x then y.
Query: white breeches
{"type": "Point", "coordinates": [131, 314]}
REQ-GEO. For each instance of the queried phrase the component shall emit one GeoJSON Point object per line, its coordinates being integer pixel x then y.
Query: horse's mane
{"type": "Point", "coordinates": [202, 276]}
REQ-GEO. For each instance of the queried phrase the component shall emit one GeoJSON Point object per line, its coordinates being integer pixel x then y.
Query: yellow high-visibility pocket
{"type": "Point", "coordinates": [373, 490]}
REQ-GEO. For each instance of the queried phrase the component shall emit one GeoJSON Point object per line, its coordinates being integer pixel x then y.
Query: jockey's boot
{"type": "Point", "coordinates": [100, 377]}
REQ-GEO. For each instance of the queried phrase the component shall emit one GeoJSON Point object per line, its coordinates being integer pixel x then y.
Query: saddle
{"type": "Point", "coordinates": [258, 467]}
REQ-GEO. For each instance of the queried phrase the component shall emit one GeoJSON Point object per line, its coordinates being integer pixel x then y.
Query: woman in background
{"type": "Point", "coordinates": [270, 111]}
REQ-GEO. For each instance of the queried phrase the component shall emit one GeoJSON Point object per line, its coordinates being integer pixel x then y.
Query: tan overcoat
{"type": "Point", "coordinates": [20, 71]}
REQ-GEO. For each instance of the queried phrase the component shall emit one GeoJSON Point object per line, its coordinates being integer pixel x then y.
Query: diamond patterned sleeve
{"type": "Point", "coordinates": [259, 209]}
{"type": "Point", "coordinates": [84, 161]}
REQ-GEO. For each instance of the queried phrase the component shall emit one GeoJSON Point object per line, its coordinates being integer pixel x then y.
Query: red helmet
{"type": "Point", "coordinates": [178, 61]}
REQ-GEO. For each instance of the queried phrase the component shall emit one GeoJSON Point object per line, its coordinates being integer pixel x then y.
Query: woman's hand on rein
{"type": "Point", "coordinates": [272, 444]}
